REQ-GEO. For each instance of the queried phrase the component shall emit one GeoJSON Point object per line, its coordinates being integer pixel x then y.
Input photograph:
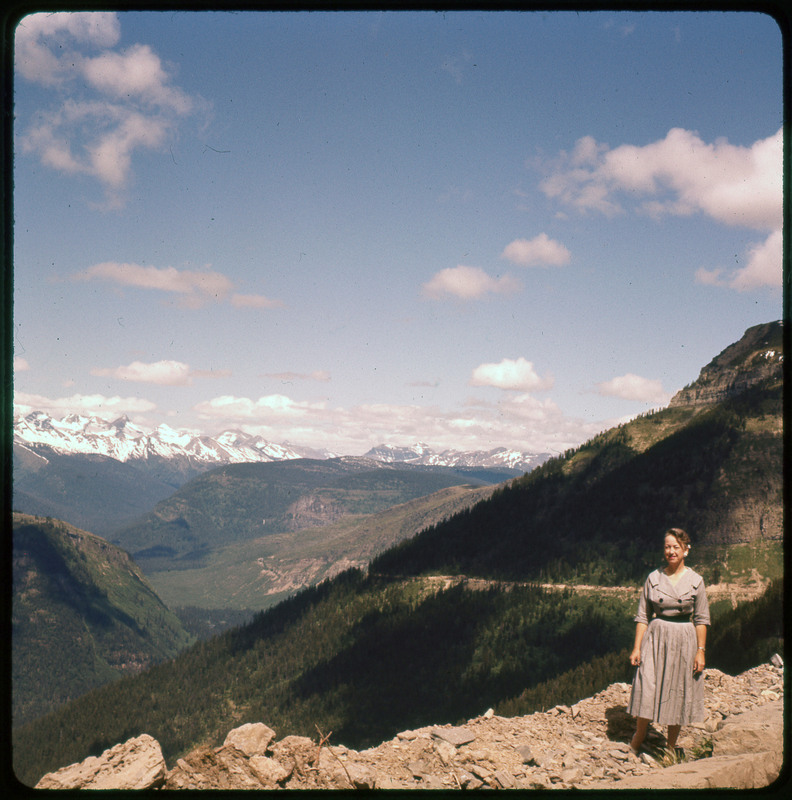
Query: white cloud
{"type": "Point", "coordinates": [681, 174]}
{"type": "Point", "coordinates": [634, 387]}
{"type": "Point", "coordinates": [709, 277]}
{"type": "Point", "coordinates": [763, 268]}
{"type": "Point", "coordinates": [137, 72]}
{"type": "Point", "coordinates": [516, 374]}
{"type": "Point", "coordinates": [517, 421]}
{"type": "Point", "coordinates": [195, 287]}
{"type": "Point", "coordinates": [541, 250]}
{"type": "Point", "coordinates": [37, 62]}
{"type": "Point", "coordinates": [108, 105]}
{"type": "Point", "coordinates": [467, 283]}
{"type": "Point", "coordinates": [81, 404]}
{"type": "Point", "coordinates": [163, 373]}
{"type": "Point", "coordinates": [21, 364]}
{"type": "Point", "coordinates": [288, 377]}
{"type": "Point", "coordinates": [264, 409]}
{"type": "Point", "coordinates": [254, 301]}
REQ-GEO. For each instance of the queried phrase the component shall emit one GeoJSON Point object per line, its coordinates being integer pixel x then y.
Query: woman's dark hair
{"type": "Point", "coordinates": [679, 535]}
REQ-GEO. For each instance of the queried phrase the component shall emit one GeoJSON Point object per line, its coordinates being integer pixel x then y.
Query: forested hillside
{"type": "Point", "coordinates": [82, 615]}
{"type": "Point", "coordinates": [259, 573]}
{"type": "Point", "coordinates": [596, 514]}
{"type": "Point", "coordinates": [75, 487]}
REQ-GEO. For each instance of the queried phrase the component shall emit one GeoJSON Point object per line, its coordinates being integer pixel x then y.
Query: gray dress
{"type": "Point", "coordinates": [664, 687]}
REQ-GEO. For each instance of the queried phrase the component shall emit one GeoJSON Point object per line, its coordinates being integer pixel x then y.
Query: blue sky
{"type": "Point", "coordinates": [471, 229]}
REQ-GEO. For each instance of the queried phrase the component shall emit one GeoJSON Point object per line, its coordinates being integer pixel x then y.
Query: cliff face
{"type": "Point", "coordinates": [757, 357]}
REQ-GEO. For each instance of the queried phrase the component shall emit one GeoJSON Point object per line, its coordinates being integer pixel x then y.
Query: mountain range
{"type": "Point", "coordinates": [127, 442]}
{"type": "Point", "coordinates": [67, 468]}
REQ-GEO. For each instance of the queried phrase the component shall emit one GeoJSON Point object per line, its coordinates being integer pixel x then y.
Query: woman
{"type": "Point", "coordinates": [668, 687]}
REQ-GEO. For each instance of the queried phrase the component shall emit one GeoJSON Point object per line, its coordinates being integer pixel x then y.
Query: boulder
{"type": "Point", "coordinates": [755, 731]}
{"type": "Point", "coordinates": [747, 753]}
{"type": "Point", "coordinates": [746, 771]}
{"type": "Point", "coordinates": [252, 739]}
{"type": "Point", "coordinates": [135, 764]}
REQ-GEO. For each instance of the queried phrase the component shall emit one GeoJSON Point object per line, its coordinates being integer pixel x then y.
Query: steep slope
{"type": "Point", "coordinates": [241, 502]}
{"type": "Point", "coordinates": [82, 615]}
{"type": "Point", "coordinates": [596, 514]}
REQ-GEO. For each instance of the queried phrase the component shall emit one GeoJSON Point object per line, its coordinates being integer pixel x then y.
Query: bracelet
{"type": "Point", "coordinates": [702, 649]}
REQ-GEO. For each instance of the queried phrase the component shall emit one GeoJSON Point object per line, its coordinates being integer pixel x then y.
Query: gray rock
{"type": "Point", "coordinates": [525, 753]}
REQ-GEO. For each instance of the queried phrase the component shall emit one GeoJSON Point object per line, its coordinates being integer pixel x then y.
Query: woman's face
{"type": "Point", "coordinates": [674, 551]}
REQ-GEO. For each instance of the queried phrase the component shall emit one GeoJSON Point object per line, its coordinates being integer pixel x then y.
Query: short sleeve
{"type": "Point", "coordinates": [701, 615]}
{"type": "Point", "coordinates": [643, 605]}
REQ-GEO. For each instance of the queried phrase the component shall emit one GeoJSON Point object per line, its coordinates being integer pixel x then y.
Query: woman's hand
{"type": "Point", "coordinates": [635, 657]}
{"type": "Point", "coordinates": [698, 661]}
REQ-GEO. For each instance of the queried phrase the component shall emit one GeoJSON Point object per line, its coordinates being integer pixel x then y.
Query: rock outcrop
{"type": "Point", "coordinates": [136, 764]}
{"type": "Point", "coordinates": [584, 746]}
{"type": "Point", "coordinates": [747, 753]}
{"type": "Point", "coordinates": [757, 357]}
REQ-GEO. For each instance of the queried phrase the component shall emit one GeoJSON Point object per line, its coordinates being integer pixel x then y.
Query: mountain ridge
{"type": "Point", "coordinates": [125, 441]}
{"type": "Point", "coordinates": [757, 356]}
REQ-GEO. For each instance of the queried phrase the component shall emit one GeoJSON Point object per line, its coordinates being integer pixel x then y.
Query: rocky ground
{"type": "Point", "coordinates": [585, 746]}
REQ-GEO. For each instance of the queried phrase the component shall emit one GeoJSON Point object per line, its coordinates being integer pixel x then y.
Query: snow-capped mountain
{"type": "Point", "coordinates": [125, 441]}
{"type": "Point", "coordinates": [422, 454]}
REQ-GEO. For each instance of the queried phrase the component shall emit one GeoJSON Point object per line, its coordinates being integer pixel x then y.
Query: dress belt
{"type": "Point", "coordinates": [677, 618]}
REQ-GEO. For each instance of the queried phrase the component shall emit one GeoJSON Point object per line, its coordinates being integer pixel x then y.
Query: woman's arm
{"type": "Point", "coordinates": [701, 641]}
{"type": "Point", "coordinates": [640, 630]}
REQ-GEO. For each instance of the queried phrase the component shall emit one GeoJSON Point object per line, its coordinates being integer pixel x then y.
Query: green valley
{"type": "Point", "coordinates": [259, 573]}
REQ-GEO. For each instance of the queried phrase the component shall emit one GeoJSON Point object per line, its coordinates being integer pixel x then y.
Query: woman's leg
{"type": "Point", "coordinates": [671, 739]}
{"type": "Point", "coordinates": [641, 726]}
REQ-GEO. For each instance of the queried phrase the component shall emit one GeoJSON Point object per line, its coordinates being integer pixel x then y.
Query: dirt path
{"type": "Point", "coordinates": [736, 592]}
